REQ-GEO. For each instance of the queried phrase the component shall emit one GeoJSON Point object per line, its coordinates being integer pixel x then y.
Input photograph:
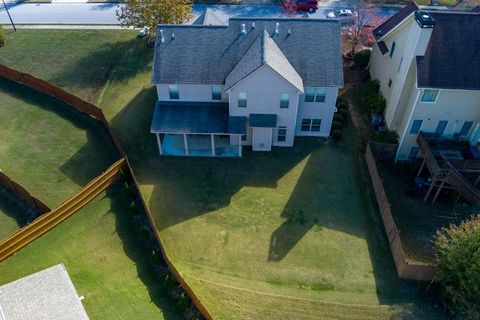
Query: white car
{"type": "Point", "coordinates": [344, 15]}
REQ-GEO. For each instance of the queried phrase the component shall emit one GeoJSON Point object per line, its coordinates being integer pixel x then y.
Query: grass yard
{"type": "Point", "coordinates": [106, 258]}
{"type": "Point", "coordinates": [79, 61]}
{"type": "Point", "coordinates": [46, 147]}
{"type": "Point", "coordinates": [14, 213]}
{"type": "Point", "coordinates": [288, 234]}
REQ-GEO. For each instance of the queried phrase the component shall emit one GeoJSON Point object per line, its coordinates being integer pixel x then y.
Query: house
{"type": "Point", "coordinates": [428, 66]}
{"type": "Point", "coordinates": [255, 82]}
{"type": "Point", "coordinates": [45, 295]}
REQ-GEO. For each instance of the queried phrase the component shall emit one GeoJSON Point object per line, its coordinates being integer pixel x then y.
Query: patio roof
{"type": "Point", "coordinates": [261, 120]}
{"type": "Point", "coordinates": [195, 117]}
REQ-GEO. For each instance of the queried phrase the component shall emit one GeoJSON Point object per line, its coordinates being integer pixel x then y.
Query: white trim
{"type": "Point", "coordinates": [398, 26]}
{"type": "Point", "coordinates": [159, 142]}
{"type": "Point", "coordinates": [185, 143]}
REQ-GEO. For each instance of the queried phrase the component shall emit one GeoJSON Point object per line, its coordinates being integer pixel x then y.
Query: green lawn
{"type": "Point", "coordinates": [79, 61]}
{"type": "Point", "coordinates": [14, 213]}
{"type": "Point", "coordinates": [47, 148]}
{"type": "Point", "coordinates": [106, 258]}
{"type": "Point", "coordinates": [289, 234]}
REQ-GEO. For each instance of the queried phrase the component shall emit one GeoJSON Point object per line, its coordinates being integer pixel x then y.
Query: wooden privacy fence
{"type": "Point", "coordinates": [96, 113]}
{"type": "Point", "coordinates": [51, 90]}
{"type": "Point", "coordinates": [405, 269]}
{"type": "Point", "coordinates": [22, 237]}
{"type": "Point", "coordinates": [23, 194]}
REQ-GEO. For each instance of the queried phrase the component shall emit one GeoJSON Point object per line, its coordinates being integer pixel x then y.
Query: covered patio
{"type": "Point", "coordinates": [199, 129]}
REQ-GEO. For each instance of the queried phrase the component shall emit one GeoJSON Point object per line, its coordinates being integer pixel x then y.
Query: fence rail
{"type": "Point", "coordinates": [66, 209]}
{"type": "Point", "coordinates": [23, 194]}
{"type": "Point", "coordinates": [97, 113]}
{"type": "Point", "coordinates": [405, 270]}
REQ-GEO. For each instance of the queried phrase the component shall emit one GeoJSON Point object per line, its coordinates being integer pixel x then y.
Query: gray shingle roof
{"type": "Point", "coordinates": [261, 120]}
{"type": "Point", "coordinates": [195, 117]}
{"type": "Point", "coordinates": [394, 20]}
{"type": "Point", "coordinates": [45, 295]}
{"type": "Point", "coordinates": [452, 58]}
{"type": "Point", "coordinates": [207, 54]}
{"type": "Point", "coordinates": [208, 18]}
{"type": "Point", "coordinates": [264, 51]}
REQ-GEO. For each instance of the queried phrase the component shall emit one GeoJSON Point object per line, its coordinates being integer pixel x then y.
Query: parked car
{"type": "Point", "coordinates": [344, 15]}
{"type": "Point", "coordinates": [301, 5]}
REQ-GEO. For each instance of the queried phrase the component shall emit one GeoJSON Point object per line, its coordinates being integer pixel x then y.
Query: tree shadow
{"type": "Point", "coordinates": [137, 249]}
{"type": "Point", "coordinates": [123, 59]}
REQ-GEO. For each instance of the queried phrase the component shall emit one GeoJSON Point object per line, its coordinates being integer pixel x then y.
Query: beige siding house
{"type": "Point", "coordinates": [255, 82]}
{"type": "Point", "coordinates": [428, 67]}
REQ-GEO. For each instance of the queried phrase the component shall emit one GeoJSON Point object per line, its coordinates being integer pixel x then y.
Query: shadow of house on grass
{"type": "Point", "coordinates": [117, 61]}
{"type": "Point", "coordinates": [138, 250]}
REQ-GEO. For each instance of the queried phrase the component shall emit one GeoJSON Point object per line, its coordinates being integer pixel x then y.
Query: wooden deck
{"type": "Point", "coordinates": [455, 172]}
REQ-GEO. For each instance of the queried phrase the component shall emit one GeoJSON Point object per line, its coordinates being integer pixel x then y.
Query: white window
{"type": "Point", "coordinates": [311, 125]}
{"type": "Point", "coordinates": [173, 92]}
{"type": "Point", "coordinates": [429, 95]}
{"type": "Point", "coordinates": [320, 94]}
{"type": "Point", "coordinates": [284, 100]}
{"type": "Point", "coordinates": [216, 93]}
{"type": "Point", "coordinates": [315, 95]}
{"type": "Point", "coordinates": [281, 134]}
{"type": "Point", "coordinates": [242, 100]}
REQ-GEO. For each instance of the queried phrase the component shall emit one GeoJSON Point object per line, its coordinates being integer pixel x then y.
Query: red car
{"type": "Point", "coordinates": [301, 5]}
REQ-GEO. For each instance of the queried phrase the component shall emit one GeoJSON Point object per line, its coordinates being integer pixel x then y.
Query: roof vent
{"type": "Point", "coordinates": [173, 36]}
{"type": "Point", "coordinates": [162, 39]}
{"type": "Point", "coordinates": [277, 25]}
{"type": "Point", "coordinates": [253, 25]}
{"type": "Point", "coordinates": [289, 32]}
{"type": "Point", "coordinates": [424, 19]}
{"type": "Point", "coordinates": [244, 30]}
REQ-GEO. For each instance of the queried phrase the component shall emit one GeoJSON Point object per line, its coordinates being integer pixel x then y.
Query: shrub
{"type": "Point", "coordinates": [339, 101]}
{"type": "Point", "coordinates": [374, 102]}
{"type": "Point", "coordinates": [342, 105]}
{"type": "Point", "coordinates": [339, 118]}
{"type": "Point", "coordinates": [386, 137]}
{"type": "Point", "coordinates": [2, 37]}
{"type": "Point", "coordinates": [362, 58]}
{"type": "Point", "coordinates": [371, 87]}
{"type": "Point", "coordinates": [133, 209]}
{"type": "Point", "coordinates": [458, 252]}
{"type": "Point", "coordinates": [337, 125]}
{"type": "Point", "coordinates": [337, 135]}
{"type": "Point", "coordinates": [343, 113]}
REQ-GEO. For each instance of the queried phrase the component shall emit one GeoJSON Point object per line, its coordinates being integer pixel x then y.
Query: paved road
{"type": "Point", "coordinates": [95, 13]}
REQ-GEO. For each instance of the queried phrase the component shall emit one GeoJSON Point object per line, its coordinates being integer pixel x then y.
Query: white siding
{"type": "Point", "coordinates": [189, 92]}
{"type": "Point", "coordinates": [264, 88]}
{"type": "Point", "coordinates": [455, 106]}
{"type": "Point", "coordinates": [317, 110]}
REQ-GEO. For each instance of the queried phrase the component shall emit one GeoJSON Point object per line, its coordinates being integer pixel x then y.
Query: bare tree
{"type": "Point", "coordinates": [358, 33]}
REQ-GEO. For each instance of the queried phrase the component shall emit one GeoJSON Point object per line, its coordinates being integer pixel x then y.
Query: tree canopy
{"type": "Point", "coordinates": [149, 13]}
{"type": "Point", "coordinates": [458, 252]}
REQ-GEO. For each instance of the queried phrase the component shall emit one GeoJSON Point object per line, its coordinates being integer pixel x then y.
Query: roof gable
{"type": "Point", "coordinates": [207, 54]}
{"type": "Point", "coordinates": [264, 51]}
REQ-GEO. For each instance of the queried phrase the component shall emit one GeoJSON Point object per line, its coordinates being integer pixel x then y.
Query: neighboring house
{"type": "Point", "coordinates": [255, 81]}
{"type": "Point", "coordinates": [428, 66]}
{"type": "Point", "coordinates": [45, 295]}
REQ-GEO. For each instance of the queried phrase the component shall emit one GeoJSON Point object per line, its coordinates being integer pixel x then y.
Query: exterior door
{"type": "Point", "coordinates": [262, 139]}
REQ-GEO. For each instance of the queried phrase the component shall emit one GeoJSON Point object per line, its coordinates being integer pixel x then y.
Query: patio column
{"type": "Point", "coordinates": [212, 140]}
{"type": "Point", "coordinates": [159, 141]}
{"type": "Point", "coordinates": [185, 144]}
{"type": "Point", "coordinates": [240, 145]}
